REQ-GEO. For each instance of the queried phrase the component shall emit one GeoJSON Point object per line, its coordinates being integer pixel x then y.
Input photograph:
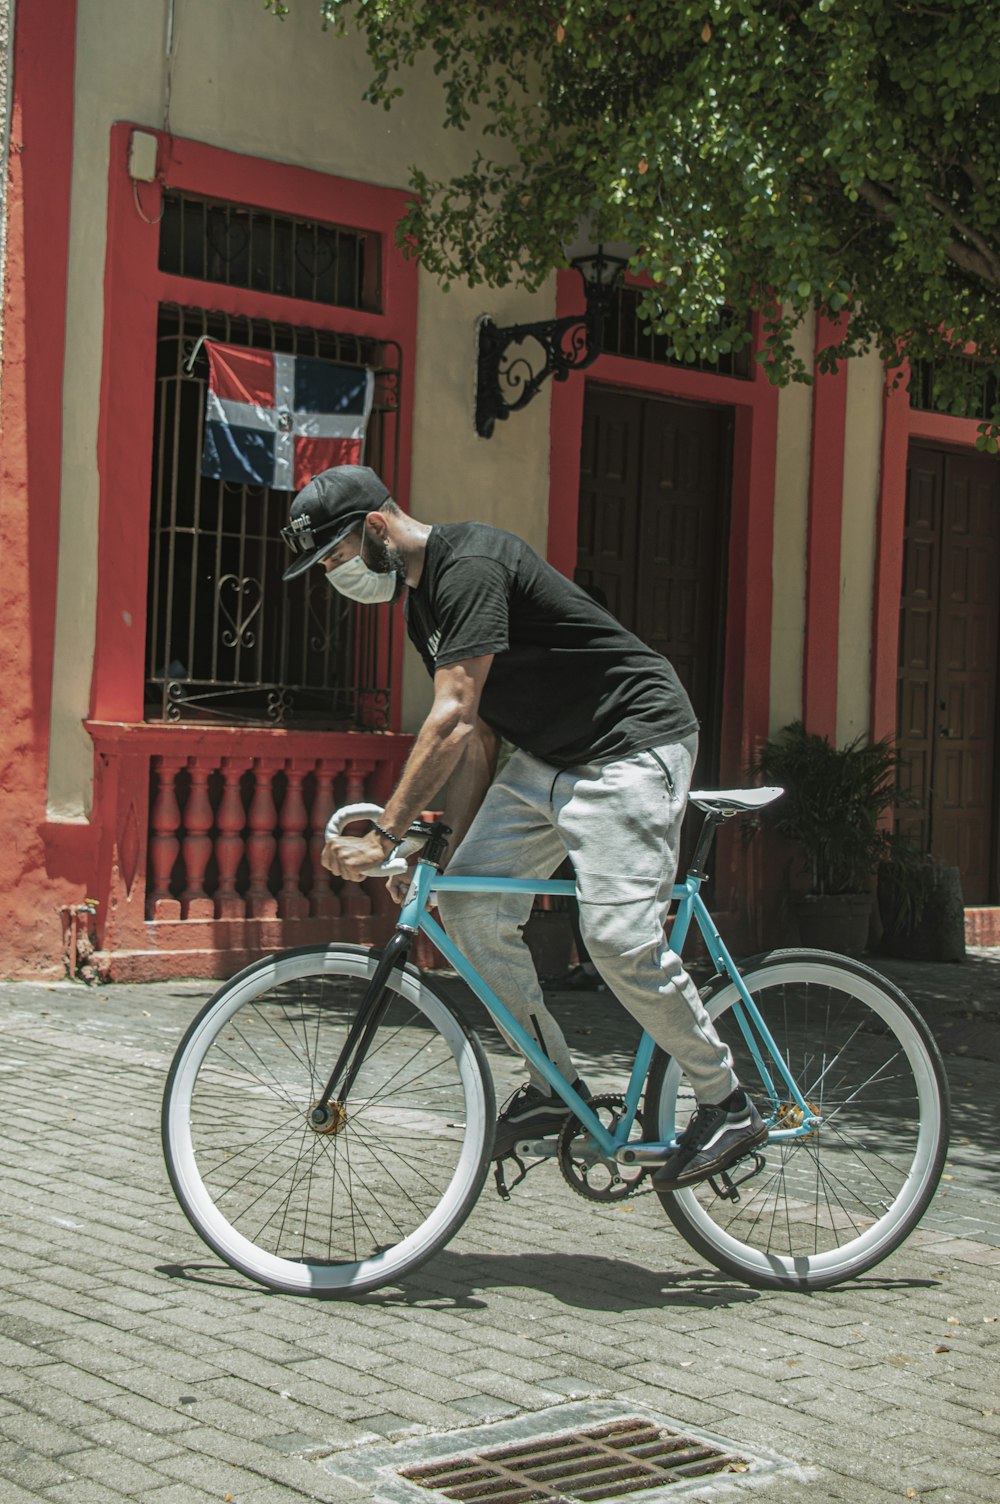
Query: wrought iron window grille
{"type": "Point", "coordinates": [980, 384]}
{"type": "Point", "coordinates": [623, 332]}
{"type": "Point", "coordinates": [240, 246]}
{"type": "Point", "coordinates": [228, 641]}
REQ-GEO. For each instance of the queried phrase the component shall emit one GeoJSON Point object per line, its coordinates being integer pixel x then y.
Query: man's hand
{"type": "Point", "coordinates": [353, 857]}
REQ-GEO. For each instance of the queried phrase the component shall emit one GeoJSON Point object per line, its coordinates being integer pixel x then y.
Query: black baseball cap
{"type": "Point", "coordinates": [333, 504]}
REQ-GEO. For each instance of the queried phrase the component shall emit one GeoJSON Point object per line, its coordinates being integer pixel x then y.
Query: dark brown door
{"type": "Point", "coordinates": [949, 633]}
{"type": "Point", "coordinates": [653, 532]}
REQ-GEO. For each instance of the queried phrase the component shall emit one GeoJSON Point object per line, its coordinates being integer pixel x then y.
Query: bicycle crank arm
{"type": "Point", "coordinates": [643, 1154]}
{"type": "Point", "coordinates": [536, 1148]}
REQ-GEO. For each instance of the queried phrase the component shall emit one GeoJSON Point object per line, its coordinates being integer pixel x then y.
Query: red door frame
{"type": "Point", "coordinates": [134, 287]}
{"type": "Point", "coordinates": [901, 424]}
{"type": "Point", "coordinates": [746, 674]}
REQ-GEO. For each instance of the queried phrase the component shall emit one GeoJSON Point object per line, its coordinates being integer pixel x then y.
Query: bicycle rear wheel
{"type": "Point", "coordinates": [339, 1212]}
{"type": "Point", "coordinates": [828, 1206]}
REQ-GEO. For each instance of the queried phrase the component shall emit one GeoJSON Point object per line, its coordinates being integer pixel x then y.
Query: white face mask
{"type": "Point", "coordinates": [359, 583]}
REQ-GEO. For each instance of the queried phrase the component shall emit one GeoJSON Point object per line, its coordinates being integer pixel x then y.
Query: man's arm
{"type": "Point", "coordinates": [450, 731]}
{"type": "Point", "coordinates": [466, 788]}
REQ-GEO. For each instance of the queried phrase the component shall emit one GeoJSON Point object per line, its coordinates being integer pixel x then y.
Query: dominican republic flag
{"type": "Point", "coordinates": [278, 420]}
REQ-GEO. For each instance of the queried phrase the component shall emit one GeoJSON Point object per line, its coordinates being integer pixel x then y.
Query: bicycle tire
{"type": "Point", "coordinates": [830, 1206]}
{"type": "Point", "coordinates": [344, 1212]}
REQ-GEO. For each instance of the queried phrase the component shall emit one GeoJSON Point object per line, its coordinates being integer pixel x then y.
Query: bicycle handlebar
{"type": "Point", "coordinates": [395, 862]}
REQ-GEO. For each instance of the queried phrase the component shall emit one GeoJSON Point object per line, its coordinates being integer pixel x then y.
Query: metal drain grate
{"type": "Point", "coordinates": [609, 1461]}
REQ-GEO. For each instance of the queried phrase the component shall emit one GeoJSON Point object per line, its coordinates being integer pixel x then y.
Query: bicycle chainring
{"type": "Point", "coordinates": [585, 1170]}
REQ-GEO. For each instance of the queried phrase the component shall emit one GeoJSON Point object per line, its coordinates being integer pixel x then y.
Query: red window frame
{"type": "Point", "coordinates": [135, 288]}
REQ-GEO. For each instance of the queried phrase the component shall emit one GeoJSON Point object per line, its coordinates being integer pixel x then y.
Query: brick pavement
{"type": "Point", "coordinates": [133, 1365]}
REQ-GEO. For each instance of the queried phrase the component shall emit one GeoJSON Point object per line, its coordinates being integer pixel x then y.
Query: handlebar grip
{"type": "Point", "coordinates": [395, 862]}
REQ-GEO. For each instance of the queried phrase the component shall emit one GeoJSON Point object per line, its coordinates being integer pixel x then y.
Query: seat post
{"type": "Point", "coordinates": [709, 825]}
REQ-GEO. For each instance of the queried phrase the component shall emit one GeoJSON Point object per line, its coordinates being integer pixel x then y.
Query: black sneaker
{"type": "Point", "coordinates": [531, 1113]}
{"type": "Point", "coordinates": [715, 1138]}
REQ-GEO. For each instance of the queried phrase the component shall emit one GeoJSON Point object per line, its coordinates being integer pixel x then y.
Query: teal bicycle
{"type": "Point", "coordinates": [328, 1116]}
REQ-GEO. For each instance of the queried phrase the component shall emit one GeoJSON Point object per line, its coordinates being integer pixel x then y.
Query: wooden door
{"type": "Point", "coordinates": [653, 534]}
{"type": "Point", "coordinates": [949, 635]}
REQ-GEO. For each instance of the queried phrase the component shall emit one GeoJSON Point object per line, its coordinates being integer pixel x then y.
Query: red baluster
{"type": "Point", "coordinates": [164, 819]}
{"type": "Point", "coordinates": [292, 902]}
{"type": "Point", "coordinates": [357, 773]}
{"type": "Point", "coordinates": [324, 902]}
{"type": "Point", "coordinates": [231, 819]}
{"type": "Point", "coordinates": [261, 821]}
{"type": "Point", "coordinates": [353, 898]}
{"type": "Point", "coordinates": [196, 844]}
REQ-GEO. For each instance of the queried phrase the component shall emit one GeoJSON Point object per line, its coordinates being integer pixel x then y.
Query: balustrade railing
{"type": "Point", "coordinates": [211, 838]}
{"type": "Point", "coordinates": [234, 837]}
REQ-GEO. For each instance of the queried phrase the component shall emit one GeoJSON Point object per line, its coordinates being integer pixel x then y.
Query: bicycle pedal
{"type": "Point", "coordinates": [729, 1190]}
{"type": "Point", "coordinates": [503, 1190]}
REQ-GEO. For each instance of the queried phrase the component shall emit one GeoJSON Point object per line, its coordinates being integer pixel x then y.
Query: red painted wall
{"type": "Point", "coordinates": [47, 865]}
{"type": "Point", "coordinates": [34, 879]}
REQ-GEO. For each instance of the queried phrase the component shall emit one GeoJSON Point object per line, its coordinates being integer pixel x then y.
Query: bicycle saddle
{"type": "Point", "coordinates": [729, 802]}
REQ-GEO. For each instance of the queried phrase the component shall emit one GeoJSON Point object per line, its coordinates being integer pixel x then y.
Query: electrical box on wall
{"type": "Point", "coordinates": [142, 157]}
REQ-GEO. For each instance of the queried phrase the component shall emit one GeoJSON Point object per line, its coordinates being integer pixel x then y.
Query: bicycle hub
{"type": "Point", "coordinates": [326, 1117]}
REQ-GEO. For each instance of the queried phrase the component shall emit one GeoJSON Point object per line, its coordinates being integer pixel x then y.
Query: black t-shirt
{"type": "Point", "coordinates": [568, 682]}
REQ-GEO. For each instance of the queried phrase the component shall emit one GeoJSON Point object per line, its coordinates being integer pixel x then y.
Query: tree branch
{"type": "Point", "coordinates": [945, 209]}
{"type": "Point", "coordinates": [973, 262]}
{"type": "Point", "coordinates": [974, 176]}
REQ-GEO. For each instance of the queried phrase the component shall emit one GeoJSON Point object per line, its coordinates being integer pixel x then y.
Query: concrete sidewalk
{"type": "Point", "coordinates": [136, 1366]}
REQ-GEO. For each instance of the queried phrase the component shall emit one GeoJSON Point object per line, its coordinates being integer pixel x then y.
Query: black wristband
{"type": "Point", "coordinates": [396, 840]}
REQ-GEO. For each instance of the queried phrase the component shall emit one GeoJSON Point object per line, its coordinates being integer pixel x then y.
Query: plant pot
{"type": "Point", "coordinates": [832, 921]}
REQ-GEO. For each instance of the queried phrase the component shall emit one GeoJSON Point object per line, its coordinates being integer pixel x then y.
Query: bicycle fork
{"type": "Point", "coordinates": [328, 1112]}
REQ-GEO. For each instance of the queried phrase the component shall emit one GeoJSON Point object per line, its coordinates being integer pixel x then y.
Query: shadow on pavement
{"type": "Point", "coordinates": [587, 1281]}
{"type": "Point", "coordinates": [460, 1281]}
{"type": "Point", "coordinates": [211, 1274]}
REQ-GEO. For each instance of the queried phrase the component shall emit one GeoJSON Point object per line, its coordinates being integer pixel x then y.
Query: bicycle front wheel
{"type": "Point", "coordinates": [339, 1212]}
{"type": "Point", "coordinates": [829, 1205]}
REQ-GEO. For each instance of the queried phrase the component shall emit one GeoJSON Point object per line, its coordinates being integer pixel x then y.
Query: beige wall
{"type": "Point", "coordinates": [236, 77]}
{"type": "Point", "coordinates": [862, 470]}
{"type": "Point", "coordinates": [286, 91]}
{"type": "Point", "coordinates": [791, 511]}
{"type": "Point", "coordinates": [862, 460]}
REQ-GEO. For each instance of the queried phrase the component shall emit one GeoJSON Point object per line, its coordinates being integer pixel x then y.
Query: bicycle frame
{"type": "Point", "coordinates": [427, 882]}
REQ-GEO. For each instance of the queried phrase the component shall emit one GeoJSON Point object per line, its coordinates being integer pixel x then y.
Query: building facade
{"type": "Point", "coordinates": [178, 723]}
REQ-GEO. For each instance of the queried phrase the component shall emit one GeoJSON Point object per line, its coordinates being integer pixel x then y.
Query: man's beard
{"type": "Point", "coordinates": [380, 556]}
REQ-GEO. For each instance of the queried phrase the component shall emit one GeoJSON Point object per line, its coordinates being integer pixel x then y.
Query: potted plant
{"type": "Point", "coordinates": [921, 908]}
{"type": "Point", "coordinates": [832, 810]}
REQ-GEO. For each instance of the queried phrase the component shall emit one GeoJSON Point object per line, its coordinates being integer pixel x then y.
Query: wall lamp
{"type": "Point", "coordinates": [507, 379]}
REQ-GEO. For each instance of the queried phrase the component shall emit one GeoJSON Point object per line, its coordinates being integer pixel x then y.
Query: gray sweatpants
{"type": "Point", "coordinates": [619, 823]}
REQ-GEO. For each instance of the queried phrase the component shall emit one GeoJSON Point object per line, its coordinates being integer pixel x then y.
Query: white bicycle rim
{"type": "Point", "coordinates": [291, 1275]}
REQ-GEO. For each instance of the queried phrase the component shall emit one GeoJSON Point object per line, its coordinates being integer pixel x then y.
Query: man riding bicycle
{"type": "Point", "coordinates": [606, 742]}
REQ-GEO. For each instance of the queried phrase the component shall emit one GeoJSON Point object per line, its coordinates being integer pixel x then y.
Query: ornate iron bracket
{"type": "Point", "coordinates": [507, 379]}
